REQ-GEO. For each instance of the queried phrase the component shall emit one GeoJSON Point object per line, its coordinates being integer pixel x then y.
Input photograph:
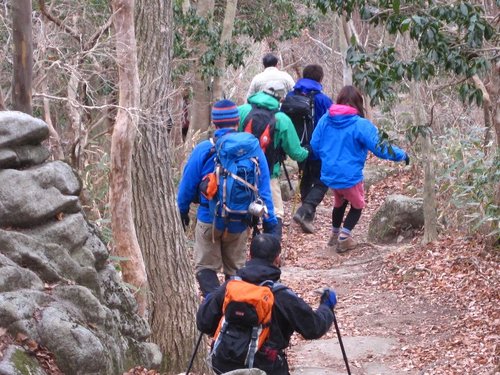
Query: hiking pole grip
{"type": "Point", "coordinates": [194, 353]}
{"type": "Point", "coordinates": [341, 343]}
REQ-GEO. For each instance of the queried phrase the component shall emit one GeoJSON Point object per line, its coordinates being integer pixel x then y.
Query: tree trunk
{"type": "Point", "coordinates": [344, 41]}
{"type": "Point", "coordinates": [122, 143]}
{"type": "Point", "coordinates": [226, 35]}
{"type": "Point", "coordinates": [173, 301]}
{"type": "Point", "coordinates": [428, 160]}
{"type": "Point", "coordinates": [200, 105]}
{"type": "Point", "coordinates": [23, 55]}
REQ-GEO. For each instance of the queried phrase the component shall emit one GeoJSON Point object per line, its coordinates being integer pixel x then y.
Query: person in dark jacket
{"type": "Point", "coordinates": [312, 190]}
{"type": "Point", "coordinates": [290, 313]}
{"type": "Point", "coordinates": [218, 243]}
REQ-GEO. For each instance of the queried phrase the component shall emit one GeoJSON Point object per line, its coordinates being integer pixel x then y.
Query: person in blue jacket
{"type": "Point", "coordinates": [342, 140]}
{"type": "Point", "coordinates": [312, 190]}
{"type": "Point", "coordinates": [218, 243]}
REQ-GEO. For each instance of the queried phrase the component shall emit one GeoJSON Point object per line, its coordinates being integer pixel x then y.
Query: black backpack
{"type": "Point", "coordinates": [300, 109]}
{"type": "Point", "coordinates": [261, 122]}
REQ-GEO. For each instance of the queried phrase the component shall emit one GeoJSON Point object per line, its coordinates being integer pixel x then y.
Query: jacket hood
{"type": "Point", "coordinates": [307, 85]}
{"type": "Point", "coordinates": [262, 99]}
{"type": "Point", "coordinates": [341, 109]}
{"type": "Point", "coordinates": [259, 270]}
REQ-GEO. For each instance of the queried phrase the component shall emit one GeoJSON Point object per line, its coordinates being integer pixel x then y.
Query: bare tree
{"type": "Point", "coordinates": [173, 299]}
{"type": "Point", "coordinates": [227, 32]}
{"type": "Point", "coordinates": [23, 55]}
{"type": "Point", "coordinates": [200, 106]}
{"type": "Point", "coordinates": [122, 144]}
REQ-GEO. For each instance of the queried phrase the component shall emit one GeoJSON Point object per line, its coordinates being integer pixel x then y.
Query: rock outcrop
{"type": "Point", "coordinates": [397, 218]}
{"type": "Point", "coordinates": [57, 286]}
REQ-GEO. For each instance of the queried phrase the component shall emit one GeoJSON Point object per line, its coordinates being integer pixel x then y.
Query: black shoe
{"type": "Point", "coordinates": [301, 217]}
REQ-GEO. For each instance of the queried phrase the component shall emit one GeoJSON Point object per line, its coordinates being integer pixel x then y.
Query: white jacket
{"type": "Point", "coordinates": [270, 74]}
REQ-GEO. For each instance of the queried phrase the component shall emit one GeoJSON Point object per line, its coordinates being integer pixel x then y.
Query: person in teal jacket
{"type": "Point", "coordinates": [342, 140]}
{"type": "Point", "coordinates": [285, 137]}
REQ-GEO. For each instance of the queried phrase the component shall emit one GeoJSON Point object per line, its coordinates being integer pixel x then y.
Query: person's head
{"type": "Point", "coordinates": [350, 95]}
{"type": "Point", "coordinates": [275, 88]}
{"type": "Point", "coordinates": [266, 247]}
{"type": "Point", "coordinates": [269, 59]}
{"type": "Point", "coordinates": [225, 114]}
{"type": "Point", "coordinates": [314, 72]}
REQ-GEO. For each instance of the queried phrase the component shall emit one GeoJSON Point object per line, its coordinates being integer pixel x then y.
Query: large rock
{"type": "Point", "coordinates": [15, 361]}
{"type": "Point", "coordinates": [57, 286]}
{"type": "Point", "coordinates": [34, 196]}
{"type": "Point", "coordinates": [398, 216]}
{"type": "Point", "coordinates": [17, 128]}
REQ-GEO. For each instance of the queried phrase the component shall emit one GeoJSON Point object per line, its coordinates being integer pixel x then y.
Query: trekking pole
{"type": "Point", "coordinates": [287, 175]}
{"type": "Point", "coordinates": [195, 351]}
{"type": "Point", "coordinates": [341, 343]}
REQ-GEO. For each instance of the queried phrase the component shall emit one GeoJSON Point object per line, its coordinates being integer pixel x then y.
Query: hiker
{"type": "Point", "coordinates": [289, 313]}
{"type": "Point", "coordinates": [277, 135]}
{"type": "Point", "coordinates": [305, 105]}
{"type": "Point", "coordinates": [221, 241]}
{"type": "Point", "coordinates": [270, 73]}
{"type": "Point", "coordinates": [342, 140]}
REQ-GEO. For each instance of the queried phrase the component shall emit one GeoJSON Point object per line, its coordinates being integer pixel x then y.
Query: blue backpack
{"type": "Point", "coordinates": [237, 175]}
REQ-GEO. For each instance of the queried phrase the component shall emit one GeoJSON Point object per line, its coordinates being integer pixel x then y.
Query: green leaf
{"type": "Point", "coordinates": [395, 6]}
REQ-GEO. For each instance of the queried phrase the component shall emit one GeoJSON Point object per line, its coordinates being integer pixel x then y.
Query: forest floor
{"type": "Point", "coordinates": [403, 308]}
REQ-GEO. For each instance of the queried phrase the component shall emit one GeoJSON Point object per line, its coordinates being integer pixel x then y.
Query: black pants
{"type": "Point", "coordinates": [312, 190]}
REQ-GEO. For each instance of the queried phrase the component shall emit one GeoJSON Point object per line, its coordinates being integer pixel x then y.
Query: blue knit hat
{"type": "Point", "coordinates": [225, 113]}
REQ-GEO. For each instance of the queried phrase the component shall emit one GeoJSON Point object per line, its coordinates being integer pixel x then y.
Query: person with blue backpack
{"type": "Point", "coordinates": [342, 139]}
{"type": "Point", "coordinates": [277, 136]}
{"type": "Point", "coordinates": [305, 105]}
{"type": "Point", "coordinates": [229, 177]}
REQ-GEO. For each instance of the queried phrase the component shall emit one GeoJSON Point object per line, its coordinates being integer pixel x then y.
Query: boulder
{"type": "Point", "coordinates": [288, 194]}
{"type": "Point", "coordinates": [18, 128]}
{"type": "Point", "coordinates": [23, 156]}
{"type": "Point", "coordinates": [16, 361]}
{"type": "Point", "coordinates": [398, 216]}
{"type": "Point", "coordinates": [57, 286]}
{"type": "Point", "coordinates": [34, 196]}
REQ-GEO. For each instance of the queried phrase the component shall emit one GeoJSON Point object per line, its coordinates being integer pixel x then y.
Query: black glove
{"type": "Point", "coordinates": [328, 298]}
{"type": "Point", "coordinates": [185, 220]}
{"type": "Point", "coordinates": [407, 160]}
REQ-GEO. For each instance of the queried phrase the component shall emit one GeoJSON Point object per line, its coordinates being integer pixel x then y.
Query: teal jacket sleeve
{"type": "Point", "coordinates": [288, 138]}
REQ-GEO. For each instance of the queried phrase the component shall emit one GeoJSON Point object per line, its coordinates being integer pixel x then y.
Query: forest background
{"type": "Point", "coordinates": [126, 87]}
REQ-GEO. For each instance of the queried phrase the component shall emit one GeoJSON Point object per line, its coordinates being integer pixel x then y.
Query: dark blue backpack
{"type": "Point", "coordinates": [237, 174]}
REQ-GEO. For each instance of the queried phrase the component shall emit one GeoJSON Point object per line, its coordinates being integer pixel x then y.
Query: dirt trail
{"type": "Point", "coordinates": [376, 325]}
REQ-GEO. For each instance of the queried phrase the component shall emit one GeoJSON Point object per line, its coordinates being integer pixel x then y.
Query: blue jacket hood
{"type": "Point", "coordinates": [307, 85]}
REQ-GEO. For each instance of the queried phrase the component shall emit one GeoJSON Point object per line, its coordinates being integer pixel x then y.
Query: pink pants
{"type": "Point", "coordinates": [355, 195]}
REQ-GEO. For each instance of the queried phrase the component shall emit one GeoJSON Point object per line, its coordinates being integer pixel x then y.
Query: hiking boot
{"type": "Point", "coordinates": [333, 239]}
{"type": "Point", "coordinates": [346, 244]}
{"type": "Point", "coordinates": [302, 217]}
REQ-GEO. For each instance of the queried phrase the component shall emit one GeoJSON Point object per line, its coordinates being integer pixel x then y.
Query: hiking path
{"type": "Point", "coordinates": [387, 325]}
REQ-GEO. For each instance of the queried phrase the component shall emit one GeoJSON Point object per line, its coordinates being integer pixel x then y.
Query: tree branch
{"type": "Point", "coordinates": [58, 22]}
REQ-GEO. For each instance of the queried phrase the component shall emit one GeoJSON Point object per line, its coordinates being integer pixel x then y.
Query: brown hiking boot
{"type": "Point", "coordinates": [300, 218]}
{"type": "Point", "coordinates": [333, 239]}
{"type": "Point", "coordinates": [346, 244]}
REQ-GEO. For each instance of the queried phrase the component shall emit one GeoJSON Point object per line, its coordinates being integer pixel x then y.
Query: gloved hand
{"type": "Point", "coordinates": [269, 227]}
{"type": "Point", "coordinates": [185, 220]}
{"type": "Point", "coordinates": [407, 160]}
{"type": "Point", "coordinates": [328, 298]}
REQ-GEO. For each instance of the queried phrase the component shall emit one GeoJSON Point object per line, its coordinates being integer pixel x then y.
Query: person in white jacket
{"type": "Point", "coordinates": [270, 73]}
